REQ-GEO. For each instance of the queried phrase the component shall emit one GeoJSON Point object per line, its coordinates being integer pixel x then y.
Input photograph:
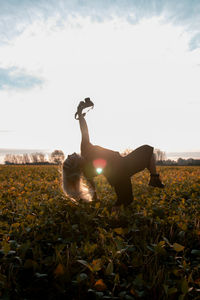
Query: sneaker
{"type": "Point", "coordinates": [155, 181]}
{"type": "Point", "coordinates": [82, 105]}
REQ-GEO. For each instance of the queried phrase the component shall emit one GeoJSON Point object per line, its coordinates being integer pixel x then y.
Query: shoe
{"type": "Point", "coordinates": [155, 181]}
{"type": "Point", "coordinates": [82, 105]}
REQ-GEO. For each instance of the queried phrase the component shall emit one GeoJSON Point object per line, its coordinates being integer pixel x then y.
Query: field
{"type": "Point", "coordinates": [52, 248]}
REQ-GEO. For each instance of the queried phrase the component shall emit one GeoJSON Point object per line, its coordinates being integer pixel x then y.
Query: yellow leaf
{"type": "Point", "coordinates": [100, 285]}
{"type": "Point", "coordinates": [177, 247]}
{"type": "Point", "coordinates": [184, 286]}
{"type": "Point", "coordinates": [172, 290]}
{"type": "Point", "coordinates": [5, 246]}
{"type": "Point", "coordinates": [109, 269]}
{"type": "Point", "coordinates": [89, 248]}
{"type": "Point", "coordinates": [15, 225]}
{"type": "Point", "coordinates": [97, 205]}
{"type": "Point", "coordinates": [96, 265]}
{"type": "Point", "coordinates": [59, 270]}
{"type": "Point", "coordinates": [30, 218]}
{"type": "Point", "coordinates": [119, 230]}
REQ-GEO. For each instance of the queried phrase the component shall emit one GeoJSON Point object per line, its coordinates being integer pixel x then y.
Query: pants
{"type": "Point", "coordinates": [134, 162]}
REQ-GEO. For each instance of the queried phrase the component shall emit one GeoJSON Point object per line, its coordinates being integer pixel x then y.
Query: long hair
{"type": "Point", "coordinates": [72, 177]}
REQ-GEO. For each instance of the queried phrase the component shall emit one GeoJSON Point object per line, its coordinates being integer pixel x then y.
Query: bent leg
{"type": "Point", "coordinates": [138, 160]}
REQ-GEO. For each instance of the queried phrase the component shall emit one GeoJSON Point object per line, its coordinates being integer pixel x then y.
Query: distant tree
{"type": "Point", "coordinates": [34, 158]}
{"type": "Point", "coordinates": [126, 152]}
{"type": "Point", "coordinates": [8, 159]}
{"type": "Point", "coordinates": [19, 159]}
{"type": "Point", "coordinates": [181, 162]}
{"type": "Point", "coordinates": [14, 159]}
{"type": "Point", "coordinates": [57, 156]}
{"type": "Point", "coordinates": [160, 155]}
{"type": "Point", "coordinates": [41, 157]}
{"type": "Point", "coordinates": [26, 158]}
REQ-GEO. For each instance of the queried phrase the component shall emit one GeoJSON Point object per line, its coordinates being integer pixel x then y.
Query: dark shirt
{"type": "Point", "coordinates": [113, 162]}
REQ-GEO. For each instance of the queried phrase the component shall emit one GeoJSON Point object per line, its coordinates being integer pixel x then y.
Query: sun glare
{"type": "Point", "coordinates": [99, 170]}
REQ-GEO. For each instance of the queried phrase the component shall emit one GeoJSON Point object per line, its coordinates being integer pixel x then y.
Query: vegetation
{"type": "Point", "coordinates": [52, 248]}
{"type": "Point", "coordinates": [37, 158]}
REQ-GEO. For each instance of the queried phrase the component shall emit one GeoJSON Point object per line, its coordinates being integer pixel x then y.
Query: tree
{"type": "Point", "coordinates": [41, 157]}
{"type": "Point", "coordinates": [126, 152]}
{"type": "Point", "coordinates": [160, 155]}
{"type": "Point", "coordinates": [57, 156]}
{"type": "Point", "coordinates": [8, 159]}
{"type": "Point", "coordinates": [34, 158]}
{"type": "Point", "coordinates": [26, 158]}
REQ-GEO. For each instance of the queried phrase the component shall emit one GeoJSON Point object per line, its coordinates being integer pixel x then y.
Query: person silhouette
{"type": "Point", "coordinates": [95, 160]}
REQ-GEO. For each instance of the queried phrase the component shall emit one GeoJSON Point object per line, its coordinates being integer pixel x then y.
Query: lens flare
{"type": "Point", "coordinates": [99, 164]}
{"type": "Point", "coordinates": [99, 170]}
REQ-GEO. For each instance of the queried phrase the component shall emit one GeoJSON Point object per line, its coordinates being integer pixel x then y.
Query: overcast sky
{"type": "Point", "coordinates": [139, 62]}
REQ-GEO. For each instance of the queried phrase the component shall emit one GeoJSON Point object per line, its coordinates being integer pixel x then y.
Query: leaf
{"type": "Point", "coordinates": [29, 263]}
{"type": "Point", "coordinates": [41, 276]}
{"type": "Point", "coordinates": [96, 265]}
{"type": "Point", "coordinates": [109, 269]}
{"type": "Point", "coordinates": [97, 205]}
{"type": "Point", "coordinates": [85, 263]}
{"type": "Point", "coordinates": [165, 288]}
{"type": "Point", "coordinates": [177, 247]}
{"type": "Point", "coordinates": [59, 270]}
{"type": "Point", "coordinates": [30, 218]}
{"type": "Point", "coordinates": [172, 290]}
{"type": "Point", "coordinates": [5, 246]}
{"type": "Point", "coordinates": [119, 243]}
{"type": "Point", "coordinates": [184, 286]}
{"type": "Point", "coordinates": [161, 243]}
{"type": "Point", "coordinates": [197, 281]}
{"type": "Point", "coordinates": [176, 272]}
{"type": "Point", "coordinates": [116, 280]}
{"type": "Point", "coordinates": [15, 225]}
{"type": "Point", "coordinates": [3, 279]}
{"type": "Point", "coordinates": [100, 285]}
{"type": "Point", "coordinates": [195, 252]}
{"type": "Point", "coordinates": [119, 230]}
{"type": "Point", "coordinates": [82, 277]}
{"type": "Point", "coordinates": [89, 248]}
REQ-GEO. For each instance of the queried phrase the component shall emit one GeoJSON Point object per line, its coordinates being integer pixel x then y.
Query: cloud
{"type": "Point", "coordinates": [195, 42]}
{"type": "Point", "coordinates": [15, 16]}
{"type": "Point", "coordinates": [13, 78]}
{"type": "Point", "coordinates": [5, 131]}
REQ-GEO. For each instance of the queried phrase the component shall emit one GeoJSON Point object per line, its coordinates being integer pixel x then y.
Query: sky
{"type": "Point", "coordinates": [138, 61]}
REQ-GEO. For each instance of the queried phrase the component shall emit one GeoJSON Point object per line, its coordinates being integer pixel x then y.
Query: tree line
{"type": "Point", "coordinates": [38, 158]}
{"type": "Point", "coordinates": [179, 162]}
{"type": "Point", "coordinates": [161, 159]}
{"type": "Point", "coordinates": [57, 157]}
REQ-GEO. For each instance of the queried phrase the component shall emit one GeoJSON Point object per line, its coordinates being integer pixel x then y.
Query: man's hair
{"type": "Point", "coordinates": [72, 177]}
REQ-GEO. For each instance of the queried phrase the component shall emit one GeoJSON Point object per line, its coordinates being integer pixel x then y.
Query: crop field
{"type": "Point", "coordinates": [52, 248]}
